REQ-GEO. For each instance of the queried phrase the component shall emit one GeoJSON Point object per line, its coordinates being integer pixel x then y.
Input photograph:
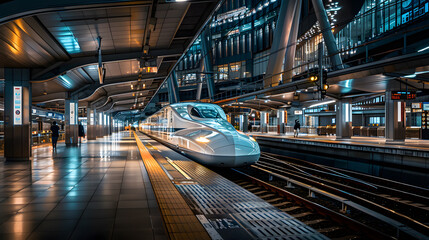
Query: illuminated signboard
{"type": "Point", "coordinates": [398, 95]}
{"type": "Point", "coordinates": [426, 106]}
{"type": "Point", "coordinates": [17, 105]}
{"type": "Point", "coordinates": [72, 113]}
{"type": "Point", "coordinates": [298, 112]}
{"type": "Point", "coordinates": [416, 105]}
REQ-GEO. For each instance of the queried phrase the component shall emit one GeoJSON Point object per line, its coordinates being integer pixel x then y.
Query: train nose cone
{"type": "Point", "coordinates": [246, 151]}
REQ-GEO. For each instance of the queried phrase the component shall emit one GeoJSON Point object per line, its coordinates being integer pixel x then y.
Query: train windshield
{"type": "Point", "coordinates": [206, 111]}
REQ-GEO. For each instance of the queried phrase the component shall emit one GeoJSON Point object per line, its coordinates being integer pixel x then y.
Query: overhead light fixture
{"type": "Point", "coordinates": [322, 103]}
{"type": "Point", "coordinates": [410, 76]}
{"type": "Point", "coordinates": [423, 49]}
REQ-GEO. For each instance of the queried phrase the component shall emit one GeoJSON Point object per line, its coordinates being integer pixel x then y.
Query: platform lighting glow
{"type": "Point", "coordinates": [410, 76]}
{"type": "Point", "coordinates": [322, 103]}
{"type": "Point", "coordinates": [66, 80]}
{"type": "Point", "coordinates": [423, 49]}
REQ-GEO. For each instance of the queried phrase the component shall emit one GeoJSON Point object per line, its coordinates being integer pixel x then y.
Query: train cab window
{"type": "Point", "coordinates": [204, 112]}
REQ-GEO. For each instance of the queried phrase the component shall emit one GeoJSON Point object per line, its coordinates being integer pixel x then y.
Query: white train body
{"type": "Point", "coordinates": [201, 131]}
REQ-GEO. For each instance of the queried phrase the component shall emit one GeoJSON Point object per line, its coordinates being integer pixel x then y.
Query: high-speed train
{"type": "Point", "coordinates": [201, 132]}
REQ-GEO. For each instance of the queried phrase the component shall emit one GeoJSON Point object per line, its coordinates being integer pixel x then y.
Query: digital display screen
{"type": "Point", "coordinates": [426, 106]}
{"type": "Point", "coordinates": [398, 95]}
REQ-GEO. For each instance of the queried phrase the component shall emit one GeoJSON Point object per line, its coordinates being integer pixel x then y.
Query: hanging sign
{"type": "Point", "coordinates": [17, 105]}
{"type": "Point", "coordinates": [396, 95]}
{"type": "Point", "coordinates": [72, 114]}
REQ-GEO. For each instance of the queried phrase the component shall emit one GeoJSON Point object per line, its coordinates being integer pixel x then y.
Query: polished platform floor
{"type": "Point", "coordinates": [412, 144]}
{"type": "Point", "coordinates": [99, 190]}
{"type": "Point", "coordinates": [227, 211]}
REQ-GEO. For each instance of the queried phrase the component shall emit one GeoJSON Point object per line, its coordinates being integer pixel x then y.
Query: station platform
{"type": "Point", "coordinates": [128, 186]}
{"type": "Point", "coordinates": [411, 152]}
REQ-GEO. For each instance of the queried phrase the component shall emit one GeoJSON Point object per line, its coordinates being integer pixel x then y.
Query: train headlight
{"type": "Point", "coordinates": [251, 138]}
{"type": "Point", "coordinates": [202, 140]}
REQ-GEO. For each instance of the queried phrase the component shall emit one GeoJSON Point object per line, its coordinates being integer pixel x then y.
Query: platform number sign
{"type": "Point", "coordinates": [17, 105]}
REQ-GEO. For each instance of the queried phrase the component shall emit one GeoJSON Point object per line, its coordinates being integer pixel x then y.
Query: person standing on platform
{"type": "Point", "coordinates": [296, 128]}
{"type": "Point", "coordinates": [55, 134]}
{"type": "Point", "coordinates": [81, 132]}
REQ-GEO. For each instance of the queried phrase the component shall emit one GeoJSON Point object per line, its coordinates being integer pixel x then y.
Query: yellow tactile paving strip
{"type": "Point", "coordinates": [179, 219]}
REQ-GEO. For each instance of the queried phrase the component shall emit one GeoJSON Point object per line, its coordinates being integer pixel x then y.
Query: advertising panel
{"type": "Point", "coordinates": [17, 105]}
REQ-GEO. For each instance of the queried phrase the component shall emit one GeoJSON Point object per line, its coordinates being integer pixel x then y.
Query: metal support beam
{"type": "Point", "coordinates": [173, 88]}
{"type": "Point", "coordinates": [328, 36]}
{"type": "Point", "coordinates": [281, 41]}
{"type": "Point", "coordinates": [291, 47]}
{"type": "Point", "coordinates": [207, 60]}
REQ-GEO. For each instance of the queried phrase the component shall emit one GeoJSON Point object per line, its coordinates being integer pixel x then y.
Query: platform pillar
{"type": "Point", "coordinates": [344, 119]}
{"type": "Point", "coordinates": [264, 122]}
{"type": "Point", "coordinates": [244, 122]}
{"type": "Point", "coordinates": [281, 120]}
{"type": "Point", "coordinates": [71, 122]}
{"type": "Point", "coordinates": [17, 115]}
{"type": "Point", "coordinates": [100, 125]}
{"type": "Point", "coordinates": [91, 124]}
{"type": "Point", "coordinates": [395, 119]}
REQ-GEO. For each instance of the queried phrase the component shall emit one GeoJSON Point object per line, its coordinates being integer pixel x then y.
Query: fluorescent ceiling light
{"type": "Point", "coordinates": [423, 49]}
{"type": "Point", "coordinates": [410, 76]}
{"type": "Point", "coordinates": [322, 103]}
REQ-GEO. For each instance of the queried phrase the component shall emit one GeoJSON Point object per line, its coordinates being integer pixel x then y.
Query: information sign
{"type": "Point", "coordinates": [398, 95]}
{"type": "Point", "coordinates": [72, 114]}
{"type": "Point", "coordinates": [17, 105]}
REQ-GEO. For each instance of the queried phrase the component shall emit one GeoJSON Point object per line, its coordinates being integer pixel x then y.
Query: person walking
{"type": "Point", "coordinates": [81, 132]}
{"type": "Point", "coordinates": [296, 128]}
{"type": "Point", "coordinates": [55, 134]}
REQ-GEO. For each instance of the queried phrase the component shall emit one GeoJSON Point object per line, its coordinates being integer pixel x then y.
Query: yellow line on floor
{"type": "Point", "coordinates": [180, 221]}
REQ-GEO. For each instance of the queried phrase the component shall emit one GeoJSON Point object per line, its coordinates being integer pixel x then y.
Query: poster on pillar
{"type": "Point", "coordinates": [72, 114]}
{"type": "Point", "coordinates": [17, 105]}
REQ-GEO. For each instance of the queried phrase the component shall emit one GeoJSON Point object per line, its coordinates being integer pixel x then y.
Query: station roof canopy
{"type": "Point", "coordinates": [58, 40]}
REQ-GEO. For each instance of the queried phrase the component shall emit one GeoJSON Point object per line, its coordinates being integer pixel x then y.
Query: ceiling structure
{"type": "Point", "coordinates": [140, 43]}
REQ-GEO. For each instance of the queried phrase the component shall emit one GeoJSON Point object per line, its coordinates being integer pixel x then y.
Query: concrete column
{"type": "Point", "coordinates": [395, 119]}
{"type": "Point", "coordinates": [71, 122]}
{"type": "Point", "coordinates": [328, 36]}
{"type": "Point", "coordinates": [281, 41]}
{"type": "Point", "coordinates": [110, 124]}
{"type": "Point", "coordinates": [105, 133]}
{"type": "Point", "coordinates": [244, 122]}
{"type": "Point", "coordinates": [100, 132]}
{"type": "Point", "coordinates": [344, 119]}
{"type": "Point", "coordinates": [281, 119]}
{"type": "Point", "coordinates": [91, 124]}
{"type": "Point", "coordinates": [17, 115]}
{"type": "Point", "coordinates": [264, 122]}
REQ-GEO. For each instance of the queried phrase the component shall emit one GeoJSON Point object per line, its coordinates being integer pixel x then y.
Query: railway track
{"type": "Point", "coordinates": [403, 207]}
{"type": "Point", "coordinates": [328, 222]}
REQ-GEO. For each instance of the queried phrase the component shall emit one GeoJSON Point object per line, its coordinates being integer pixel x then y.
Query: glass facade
{"type": "Point", "coordinates": [239, 36]}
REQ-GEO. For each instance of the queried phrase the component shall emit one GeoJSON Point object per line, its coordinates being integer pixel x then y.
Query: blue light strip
{"type": "Point", "coordinates": [66, 81]}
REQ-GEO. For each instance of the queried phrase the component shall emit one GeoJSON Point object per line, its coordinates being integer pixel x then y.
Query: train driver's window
{"type": "Point", "coordinates": [200, 111]}
{"type": "Point", "coordinates": [195, 113]}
